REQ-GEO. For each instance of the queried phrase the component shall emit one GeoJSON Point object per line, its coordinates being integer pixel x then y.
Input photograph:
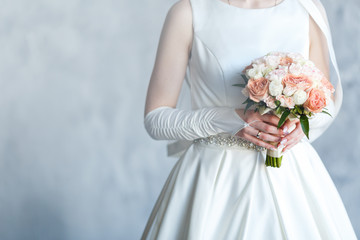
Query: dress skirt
{"type": "Point", "coordinates": [220, 192]}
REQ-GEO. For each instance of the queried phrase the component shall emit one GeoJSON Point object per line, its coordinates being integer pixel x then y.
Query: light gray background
{"type": "Point", "coordinates": [75, 160]}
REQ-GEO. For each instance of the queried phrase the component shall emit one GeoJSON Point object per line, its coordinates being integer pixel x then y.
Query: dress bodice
{"type": "Point", "coordinates": [226, 40]}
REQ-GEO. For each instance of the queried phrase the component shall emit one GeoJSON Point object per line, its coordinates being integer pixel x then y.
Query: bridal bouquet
{"type": "Point", "coordinates": [289, 86]}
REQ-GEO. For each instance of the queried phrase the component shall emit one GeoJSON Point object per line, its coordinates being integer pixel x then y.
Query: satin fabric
{"type": "Point", "coordinates": [228, 193]}
{"type": "Point", "coordinates": [314, 8]}
{"type": "Point", "coordinates": [219, 192]}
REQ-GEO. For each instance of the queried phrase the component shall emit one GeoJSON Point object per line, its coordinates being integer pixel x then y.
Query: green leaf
{"type": "Point", "coordinates": [283, 109]}
{"type": "Point", "coordinates": [326, 113]}
{"type": "Point", "coordinates": [247, 101]}
{"type": "Point", "coordinates": [304, 121]}
{"type": "Point", "coordinates": [299, 109]}
{"type": "Point", "coordinates": [245, 78]}
{"type": "Point", "coordinates": [240, 85]}
{"type": "Point", "coordinates": [262, 104]}
{"type": "Point", "coordinates": [284, 115]}
{"type": "Point", "coordinates": [249, 104]}
{"type": "Point", "coordinates": [277, 103]}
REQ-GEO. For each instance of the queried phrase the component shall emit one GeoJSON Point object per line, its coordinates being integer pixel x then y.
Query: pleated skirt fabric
{"type": "Point", "coordinates": [219, 192]}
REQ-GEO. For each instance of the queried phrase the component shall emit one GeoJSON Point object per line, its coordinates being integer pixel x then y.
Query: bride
{"type": "Point", "coordinates": [220, 189]}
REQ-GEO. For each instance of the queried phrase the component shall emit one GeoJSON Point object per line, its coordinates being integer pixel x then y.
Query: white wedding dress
{"type": "Point", "coordinates": [221, 192]}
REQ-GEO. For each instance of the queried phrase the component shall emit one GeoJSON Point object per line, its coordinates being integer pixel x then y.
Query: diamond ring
{"type": "Point", "coordinates": [258, 134]}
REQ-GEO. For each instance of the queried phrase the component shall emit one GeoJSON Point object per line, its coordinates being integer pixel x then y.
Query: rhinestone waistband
{"type": "Point", "coordinates": [229, 141]}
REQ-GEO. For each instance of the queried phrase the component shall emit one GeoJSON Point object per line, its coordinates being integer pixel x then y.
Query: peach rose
{"type": "Point", "coordinates": [316, 101]}
{"type": "Point", "coordinates": [300, 82]}
{"type": "Point", "coordinates": [286, 61]}
{"type": "Point", "coordinates": [327, 84]}
{"type": "Point", "coordinates": [258, 89]}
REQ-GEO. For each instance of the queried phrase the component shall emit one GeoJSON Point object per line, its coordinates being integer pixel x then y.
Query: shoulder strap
{"type": "Point", "coordinates": [200, 10]}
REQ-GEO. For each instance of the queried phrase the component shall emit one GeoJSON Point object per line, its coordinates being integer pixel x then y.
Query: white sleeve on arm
{"type": "Point", "coordinates": [320, 122]}
{"type": "Point", "coordinates": [166, 123]}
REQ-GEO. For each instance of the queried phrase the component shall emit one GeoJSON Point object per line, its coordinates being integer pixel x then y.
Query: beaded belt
{"type": "Point", "coordinates": [229, 141]}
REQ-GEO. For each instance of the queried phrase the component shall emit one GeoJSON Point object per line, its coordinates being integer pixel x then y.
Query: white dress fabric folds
{"type": "Point", "coordinates": [226, 192]}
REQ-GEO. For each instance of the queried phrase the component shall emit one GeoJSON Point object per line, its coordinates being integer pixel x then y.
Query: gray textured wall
{"type": "Point", "coordinates": [75, 160]}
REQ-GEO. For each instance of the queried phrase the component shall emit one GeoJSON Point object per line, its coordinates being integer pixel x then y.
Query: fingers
{"type": "Point", "coordinates": [258, 142]}
{"type": "Point", "coordinates": [269, 118]}
{"type": "Point", "coordinates": [295, 135]}
{"type": "Point", "coordinates": [263, 135]}
{"type": "Point", "coordinates": [264, 127]}
{"type": "Point", "coordinates": [289, 147]}
{"type": "Point", "coordinates": [293, 138]}
{"type": "Point", "coordinates": [251, 115]}
{"type": "Point", "coordinates": [250, 134]}
{"type": "Point", "coordinates": [289, 125]}
{"type": "Point", "coordinates": [267, 124]}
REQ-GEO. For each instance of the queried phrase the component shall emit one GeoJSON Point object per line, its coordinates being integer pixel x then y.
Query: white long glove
{"type": "Point", "coordinates": [166, 123]}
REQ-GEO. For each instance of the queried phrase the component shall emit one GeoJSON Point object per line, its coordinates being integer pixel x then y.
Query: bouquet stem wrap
{"type": "Point", "coordinates": [274, 157]}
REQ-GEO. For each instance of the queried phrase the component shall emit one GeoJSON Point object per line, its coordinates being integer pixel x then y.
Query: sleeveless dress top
{"type": "Point", "coordinates": [226, 40]}
{"type": "Point", "coordinates": [224, 193]}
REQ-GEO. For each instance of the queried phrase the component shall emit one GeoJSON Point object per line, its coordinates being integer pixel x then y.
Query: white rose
{"type": "Point", "coordinates": [251, 72]}
{"type": "Point", "coordinates": [256, 71]}
{"type": "Point", "coordinates": [316, 81]}
{"type": "Point", "coordinates": [299, 97]}
{"type": "Point", "coordinates": [297, 57]}
{"type": "Point", "coordinates": [272, 61]}
{"type": "Point", "coordinates": [317, 77]}
{"type": "Point", "coordinates": [275, 78]}
{"type": "Point", "coordinates": [266, 71]}
{"type": "Point", "coordinates": [275, 88]}
{"type": "Point", "coordinates": [258, 75]}
{"type": "Point", "coordinates": [260, 67]}
{"type": "Point", "coordinates": [283, 68]}
{"type": "Point", "coordinates": [289, 91]}
{"type": "Point", "coordinates": [276, 75]}
{"type": "Point", "coordinates": [308, 63]}
{"type": "Point", "coordinates": [295, 69]}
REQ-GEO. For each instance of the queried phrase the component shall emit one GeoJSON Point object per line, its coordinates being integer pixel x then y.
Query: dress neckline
{"type": "Point", "coordinates": [249, 9]}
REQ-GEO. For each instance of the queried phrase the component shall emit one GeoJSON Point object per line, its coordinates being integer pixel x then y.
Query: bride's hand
{"type": "Point", "coordinates": [266, 124]}
{"type": "Point", "coordinates": [294, 137]}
